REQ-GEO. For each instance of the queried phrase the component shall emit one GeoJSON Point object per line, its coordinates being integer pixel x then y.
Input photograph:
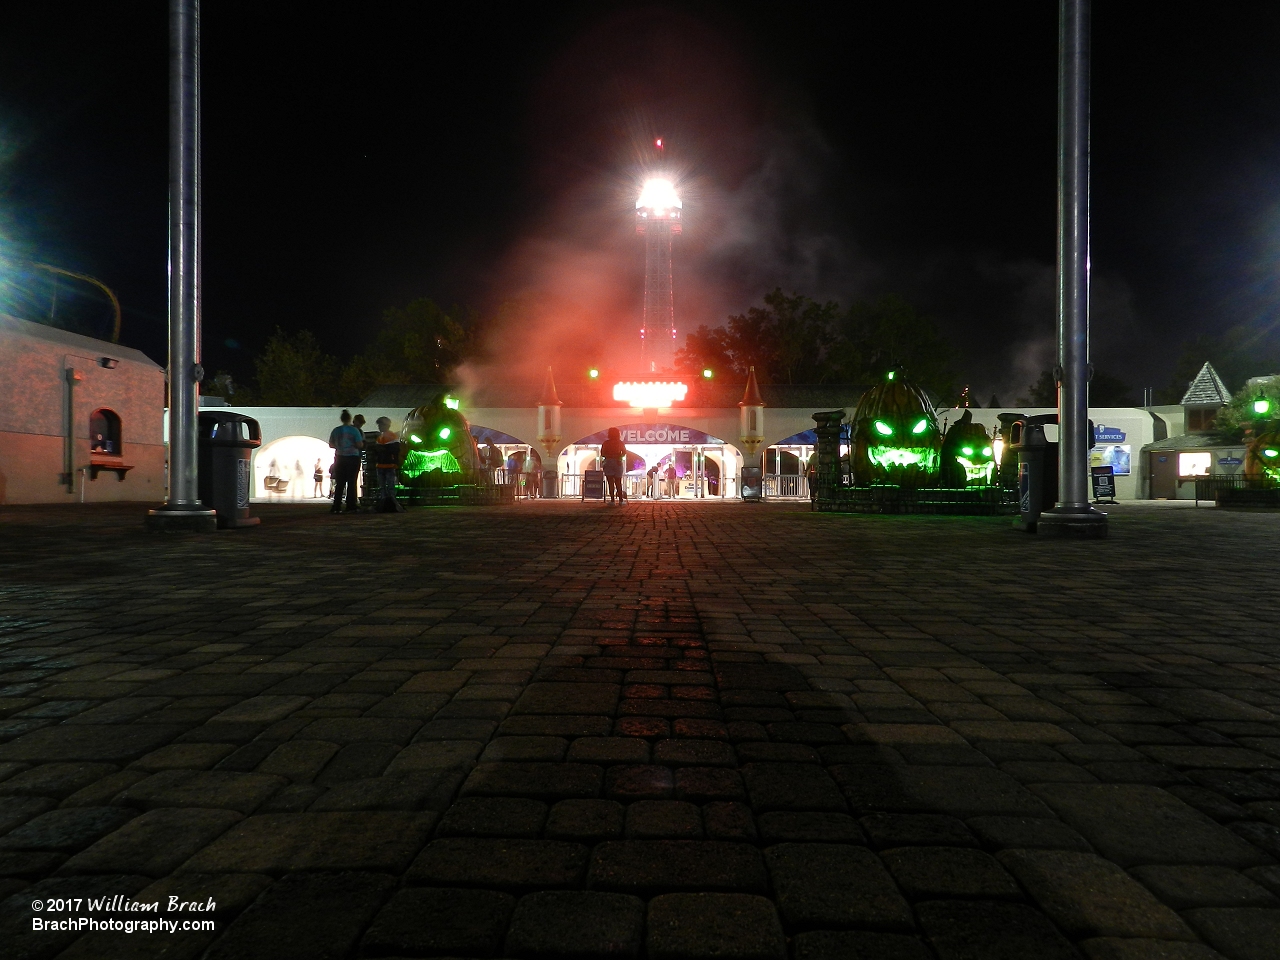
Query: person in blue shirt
{"type": "Point", "coordinates": [347, 443]}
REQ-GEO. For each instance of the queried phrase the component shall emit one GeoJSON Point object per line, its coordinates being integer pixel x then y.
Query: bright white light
{"type": "Point", "coordinates": [658, 195]}
{"type": "Point", "coordinates": [284, 468]}
{"type": "Point", "coordinates": [650, 395]}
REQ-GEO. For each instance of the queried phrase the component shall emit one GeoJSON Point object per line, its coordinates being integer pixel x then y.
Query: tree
{"type": "Point", "coordinates": [1104, 391]}
{"type": "Point", "coordinates": [1238, 354]}
{"type": "Point", "coordinates": [889, 332]}
{"type": "Point", "coordinates": [293, 371]}
{"type": "Point", "coordinates": [1042, 393]}
{"type": "Point", "coordinates": [1237, 419]}
{"type": "Point", "coordinates": [224, 385]}
{"type": "Point", "coordinates": [416, 343]}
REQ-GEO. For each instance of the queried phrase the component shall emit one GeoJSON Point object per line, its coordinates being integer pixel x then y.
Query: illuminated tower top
{"type": "Point", "coordinates": [658, 218]}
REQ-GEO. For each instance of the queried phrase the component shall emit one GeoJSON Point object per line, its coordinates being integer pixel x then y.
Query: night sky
{"type": "Point", "coordinates": [479, 153]}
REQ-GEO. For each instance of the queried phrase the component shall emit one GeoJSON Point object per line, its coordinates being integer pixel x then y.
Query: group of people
{"type": "Point", "coordinates": [349, 444]}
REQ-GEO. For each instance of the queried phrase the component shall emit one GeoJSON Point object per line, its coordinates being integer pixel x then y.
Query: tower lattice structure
{"type": "Point", "coordinates": [658, 220]}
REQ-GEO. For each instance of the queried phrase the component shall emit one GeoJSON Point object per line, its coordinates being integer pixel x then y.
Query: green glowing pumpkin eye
{"type": "Point", "coordinates": [967, 451]}
{"type": "Point", "coordinates": [415, 439]}
{"type": "Point", "coordinates": [986, 451]}
{"type": "Point", "coordinates": [920, 427]}
{"type": "Point", "coordinates": [892, 374]}
{"type": "Point", "coordinates": [883, 429]}
{"type": "Point", "coordinates": [444, 433]}
{"type": "Point", "coordinates": [1271, 453]}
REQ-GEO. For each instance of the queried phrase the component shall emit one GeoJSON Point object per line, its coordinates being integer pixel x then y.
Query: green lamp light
{"type": "Point", "coordinates": [1261, 405]}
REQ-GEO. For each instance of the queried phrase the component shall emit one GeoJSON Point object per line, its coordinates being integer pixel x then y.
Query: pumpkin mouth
{"type": "Point", "coordinates": [883, 456]}
{"type": "Point", "coordinates": [417, 462]}
{"type": "Point", "coordinates": [976, 471]}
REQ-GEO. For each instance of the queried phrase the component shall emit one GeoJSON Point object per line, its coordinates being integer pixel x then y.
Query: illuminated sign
{"type": "Point", "coordinates": [1104, 434]}
{"type": "Point", "coordinates": [656, 433]}
{"type": "Point", "coordinates": [649, 395]}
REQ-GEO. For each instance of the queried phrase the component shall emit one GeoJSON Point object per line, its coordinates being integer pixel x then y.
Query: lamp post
{"type": "Point", "coordinates": [182, 509]}
{"type": "Point", "coordinates": [1073, 516]}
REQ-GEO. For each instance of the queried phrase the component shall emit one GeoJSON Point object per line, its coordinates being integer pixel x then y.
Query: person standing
{"type": "Point", "coordinates": [317, 477]}
{"type": "Point", "coordinates": [347, 443]}
{"type": "Point", "coordinates": [673, 483]}
{"type": "Point", "coordinates": [614, 454]}
{"type": "Point", "coordinates": [388, 458]}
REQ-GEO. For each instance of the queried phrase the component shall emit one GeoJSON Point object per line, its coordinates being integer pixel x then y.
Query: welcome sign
{"type": "Point", "coordinates": [656, 433]}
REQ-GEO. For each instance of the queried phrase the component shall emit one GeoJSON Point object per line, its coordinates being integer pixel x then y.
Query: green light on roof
{"type": "Point", "coordinates": [1262, 405]}
{"type": "Point", "coordinates": [883, 428]}
{"type": "Point", "coordinates": [892, 374]}
{"type": "Point", "coordinates": [920, 427]}
{"type": "Point", "coordinates": [451, 403]}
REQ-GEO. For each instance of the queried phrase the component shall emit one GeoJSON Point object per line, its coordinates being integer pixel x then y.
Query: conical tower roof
{"type": "Point", "coordinates": [1207, 388]}
{"type": "Point", "coordinates": [548, 397]}
{"type": "Point", "coordinates": [751, 398]}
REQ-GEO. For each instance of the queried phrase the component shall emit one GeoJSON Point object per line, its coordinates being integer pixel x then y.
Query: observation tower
{"type": "Point", "coordinates": [658, 219]}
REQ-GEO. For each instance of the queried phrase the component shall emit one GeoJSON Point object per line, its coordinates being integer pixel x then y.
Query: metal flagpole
{"type": "Point", "coordinates": [1073, 516]}
{"type": "Point", "coordinates": [182, 509]}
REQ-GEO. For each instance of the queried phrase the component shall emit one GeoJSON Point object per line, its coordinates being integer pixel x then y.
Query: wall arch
{"type": "Point", "coordinates": [290, 461]}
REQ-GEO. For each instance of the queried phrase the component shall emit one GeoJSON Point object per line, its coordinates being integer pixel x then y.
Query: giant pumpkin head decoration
{"type": "Point", "coordinates": [1263, 458]}
{"type": "Point", "coordinates": [440, 448]}
{"type": "Point", "coordinates": [895, 434]}
{"type": "Point", "coordinates": [968, 459]}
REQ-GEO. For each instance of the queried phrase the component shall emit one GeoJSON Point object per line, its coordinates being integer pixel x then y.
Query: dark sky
{"type": "Point", "coordinates": [476, 153]}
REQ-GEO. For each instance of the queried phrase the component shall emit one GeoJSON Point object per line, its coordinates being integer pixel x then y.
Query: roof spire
{"type": "Point", "coordinates": [751, 397]}
{"type": "Point", "coordinates": [549, 398]}
{"type": "Point", "coordinates": [1207, 388]}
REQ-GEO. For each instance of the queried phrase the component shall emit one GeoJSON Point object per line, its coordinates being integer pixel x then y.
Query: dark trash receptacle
{"type": "Point", "coordinates": [223, 444]}
{"type": "Point", "coordinates": [1037, 460]}
{"type": "Point", "coordinates": [550, 485]}
{"type": "Point", "coordinates": [752, 483]}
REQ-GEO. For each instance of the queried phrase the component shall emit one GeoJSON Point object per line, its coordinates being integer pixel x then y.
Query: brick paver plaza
{"type": "Point", "coordinates": [663, 731]}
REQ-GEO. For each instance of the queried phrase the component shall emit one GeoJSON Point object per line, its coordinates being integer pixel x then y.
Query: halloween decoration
{"type": "Point", "coordinates": [968, 458]}
{"type": "Point", "coordinates": [895, 435]}
{"type": "Point", "coordinates": [440, 448]}
{"type": "Point", "coordinates": [1263, 458]}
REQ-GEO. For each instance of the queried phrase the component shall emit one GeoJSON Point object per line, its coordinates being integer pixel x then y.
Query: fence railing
{"type": "Point", "coordinates": [786, 486]}
{"type": "Point", "coordinates": [1238, 490]}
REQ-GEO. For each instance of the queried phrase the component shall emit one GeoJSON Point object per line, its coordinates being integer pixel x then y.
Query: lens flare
{"type": "Point", "coordinates": [658, 194]}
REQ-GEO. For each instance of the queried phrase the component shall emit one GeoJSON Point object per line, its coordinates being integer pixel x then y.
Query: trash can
{"type": "Point", "coordinates": [224, 440]}
{"type": "Point", "coordinates": [752, 484]}
{"type": "Point", "coordinates": [550, 485]}
{"type": "Point", "coordinates": [1037, 460]}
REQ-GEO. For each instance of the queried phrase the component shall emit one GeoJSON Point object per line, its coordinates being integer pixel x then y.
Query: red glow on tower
{"type": "Point", "coordinates": [658, 218]}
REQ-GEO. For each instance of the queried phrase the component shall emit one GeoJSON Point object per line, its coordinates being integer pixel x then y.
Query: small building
{"type": "Point", "coordinates": [1196, 450]}
{"type": "Point", "coordinates": [81, 420]}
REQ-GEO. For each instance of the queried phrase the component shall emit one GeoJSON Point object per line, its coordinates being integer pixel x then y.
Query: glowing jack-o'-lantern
{"type": "Point", "coordinates": [439, 447]}
{"type": "Point", "coordinates": [968, 458]}
{"type": "Point", "coordinates": [895, 434]}
{"type": "Point", "coordinates": [1263, 458]}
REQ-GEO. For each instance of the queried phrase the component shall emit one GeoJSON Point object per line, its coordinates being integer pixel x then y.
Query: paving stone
{"type": "Point", "coordinates": [184, 756]}
{"type": "Point", "coordinates": [293, 799]}
{"type": "Point", "coordinates": [733, 821]}
{"type": "Point", "coordinates": [609, 750]}
{"type": "Point", "coordinates": [276, 843]}
{"type": "Point", "coordinates": [908, 829]}
{"type": "Point", "coordinates": [693, 926]}
{"type": "Point", "coordinates": [345, 730]}
{"type": "Point", "coordinates": [92, 742]}
{"type": "Point", "coordinates": [585, 820]}
{"type": "Point", "coordinates": [415, 706]}
{"type": "Point", "coordinates": [526, 748]}
{"type": "Point", "coordinates": [1123, 948]}
{"type": "Point", "coordinates": [781, 826]}
{"type": "Point", "coordinates": [153, 844]}
{"type": "Point", "coordinates": [18, 810]}
{"type": "Point", "coordinates": [990, 930]}
{"type": "Point", "coordinates": [791, 786]}
{"type": "Point", "coordinates": [57, 780]}
{"type": "Point", "coordinates": [1136, 824]}
{"type": "Point", "coordinates": [640, 866]}
{"type": "Point", "coordinates": [1264, 836]}
{"type": "Point", "coordinates": [267, 708]}
{"type": "Point", "coordinates": [576, 924]}
{"type": "Point", "coordinates": [700, 784]}
{"type": "Point", "coordinates": [242, 792]}
{"type": "Point", "coordinates": [663, 819]}
{"type": "Point", "coordinates": [759, 676]}
{"type": "Point", "coordinates": [959, 791]}
{"type": "Point", "coordinates": [357, 761]}
{"type": "Point", "coordinates": [425, 790]}
{"type": "Point", "coordinates": [1242, 933]}
{"type": "Point", "coordinates": [834, 885]}
{"type": "Point", "coordinates": [543, 781]}
{"type": "Point", "coordinates": [1027, 832]}
{"type": "Point", "coordinates": [936, 872]}
{"type": "Point", "coordinates": [455, 729]}
{"type": "Point", "coordinates": [765, 752]}
{"type": "Point", "coordinates": [694, 753]}
{"type": "Point", "coordinates": [1088, 896]}
{"type": "Point", "coordinates": [433, 921]}
{"type": "Point", "coordinates": [566, 726]}
{"type": "Point", "coordinates": [639, 782]}
{"type": "Point", "coordinates": [1183, 887]}
{"type": "Point", "coordinates": [102, 792]}
{"type": "Point", "coordinates": [500, 863]}
{"type": "Point", "coordinates": [298, 760]}
{"type": "Point", "coordinates": [493, 817]}
{"type": "Point", "coordinates": [862, 945]}
{"type": "Point", "coordinates": [311, 916]}
{"type": "Point", "coordinates": [68, 830]}
{"type": "Point", "coordinates": [435, 755]}
{"type": "Point", "coordinates": [568, 698]}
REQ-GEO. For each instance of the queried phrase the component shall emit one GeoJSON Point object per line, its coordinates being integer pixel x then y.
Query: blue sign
{"type": "Point", "coordinates": [1104, 434]}
{"type": "Point", "coordinates": [656, 433]}
{"type": "Point", "coordinates": [1230, 461]}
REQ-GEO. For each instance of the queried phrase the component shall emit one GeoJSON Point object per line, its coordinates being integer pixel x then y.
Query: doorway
{"type": "Point", "coordinates": [1163, 476]}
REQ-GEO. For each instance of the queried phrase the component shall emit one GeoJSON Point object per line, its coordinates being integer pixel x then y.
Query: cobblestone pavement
{"type": "Point", "coordinates": [664, 731]}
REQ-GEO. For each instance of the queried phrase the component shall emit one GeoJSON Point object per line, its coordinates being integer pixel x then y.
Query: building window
{"type": "Point", "coordinates": [104, 433]}
{"type": "Point", "coordinates": [1194, 464]}
{"type": "Point", "coordinates": [1200, 419]}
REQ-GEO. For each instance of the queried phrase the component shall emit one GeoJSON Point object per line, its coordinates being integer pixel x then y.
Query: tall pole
{"type": "Point", "coordinates": [1073, 516]}
{"type": "Point", "coordinates": [182, 509]}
